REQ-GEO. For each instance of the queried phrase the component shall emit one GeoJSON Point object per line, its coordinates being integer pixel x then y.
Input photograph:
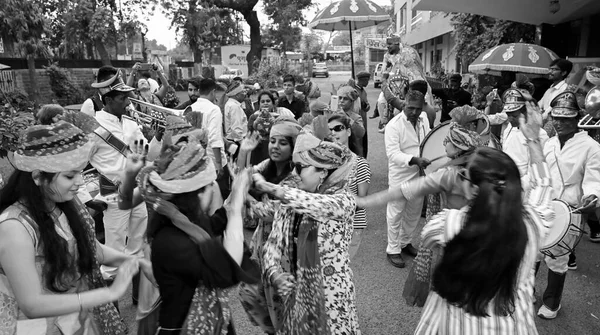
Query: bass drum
{"type": "Point", "coordinates": [433, 147]}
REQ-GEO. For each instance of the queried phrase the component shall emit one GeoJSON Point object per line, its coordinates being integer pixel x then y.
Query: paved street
{"type": "Point", "coordinates": [381, 308]}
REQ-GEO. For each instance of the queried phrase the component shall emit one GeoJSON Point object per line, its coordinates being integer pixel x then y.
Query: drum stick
{"type": "Point", "coordinates": [582, 207]}
{"type": "Point", "coordinates": [437, 158]}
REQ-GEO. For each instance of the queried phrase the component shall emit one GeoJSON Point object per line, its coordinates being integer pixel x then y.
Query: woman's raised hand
{"type": "Point", "coordinates": [250, 142]}
{"type": "Point", "coordinates": [239, 188]}
{"type": "Point", "coordinates": [530, 127]}
{"type": "Point", "coordinates": [136, 159]}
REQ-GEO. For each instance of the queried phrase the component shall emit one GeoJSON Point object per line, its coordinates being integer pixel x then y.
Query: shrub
{"type": "Point", "coordinates": [269, 74]}
{"type": "Point", "coordinates": [67, 93]}
{"type": "Point", "coordinates": [16, 114]}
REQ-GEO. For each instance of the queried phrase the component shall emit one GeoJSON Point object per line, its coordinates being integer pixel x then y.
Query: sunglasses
{"type": "Point", "coordinates": [338, 128]}
{"type": "Point", "coordinates": [462, 174]}
{"type": "Point", "coordinates": [299, 167]}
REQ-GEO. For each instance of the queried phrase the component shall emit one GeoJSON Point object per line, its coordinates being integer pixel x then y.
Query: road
{"type": "Point", "coordinates": [381, 308]}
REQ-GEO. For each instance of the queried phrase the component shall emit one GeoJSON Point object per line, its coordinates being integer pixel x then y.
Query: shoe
{"type": "Point", "coordinates": [410, 250]}
{"type": "Point", "coordinates": [572, 264]}
{"type": "Point", "coordinates": [381, 130]}
{"type": "Point", "coordinates": [396, 260]}
{"type": "Point", "coordinates": [373, 117]}
{"type": "Point", "coordinates": [545, 312]}
{"type": "Point", "coordinates": [595, 237]}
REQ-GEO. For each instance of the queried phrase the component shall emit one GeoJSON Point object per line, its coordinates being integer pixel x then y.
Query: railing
{"type": "Point", "coordinates": [416, 19]}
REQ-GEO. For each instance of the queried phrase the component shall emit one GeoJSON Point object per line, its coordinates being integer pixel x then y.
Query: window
{"type": "Point", "coordinates": [414, 13]}
{"type": "Point", "coordinates": [403, 16]}
{"type": "Point", "coordinates": [419, 46]}
{"type": "Point", "coordinates": [439, 39]}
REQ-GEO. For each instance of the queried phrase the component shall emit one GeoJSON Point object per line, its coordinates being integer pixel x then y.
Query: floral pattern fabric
{"type": "Point", "coordinates": [325, 221]}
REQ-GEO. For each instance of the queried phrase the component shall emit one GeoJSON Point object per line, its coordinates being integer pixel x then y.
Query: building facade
{"type": "Point", "coordinates": [430, 33]}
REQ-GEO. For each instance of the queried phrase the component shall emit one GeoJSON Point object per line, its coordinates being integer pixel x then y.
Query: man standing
{"type": "Point", "coordinates": [362, 81]}
{"type": "Point", "coordinates": [403, 136]}
{"type": "Point", "coordinates": [573, 159]}
{"type": "Point", "coordinates": [558, 72]}
{"type": "Point", "coordinates": [290, 100]}
{"type": "Point", "coordinates": [235, 121]}
{"type": "Point", "coordinates": [124, 229]}
{"type": "Point", "coordinates": [193, 92]}
{"type": "Point", "coordinates": [206, 115]}
{"type": "Point", "coordinates": [453, 96]}
{"type": "Point", "coordinates": [94, 103]}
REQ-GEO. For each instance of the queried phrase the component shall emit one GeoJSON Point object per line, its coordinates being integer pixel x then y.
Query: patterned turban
{"type": "Point", "coordinates": [285, 127]}
{"type": "Point", "coordinates": [469, 128]}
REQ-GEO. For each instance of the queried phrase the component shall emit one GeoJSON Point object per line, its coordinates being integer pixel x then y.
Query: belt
{"type": "Point", "coordinates": [107, 186]}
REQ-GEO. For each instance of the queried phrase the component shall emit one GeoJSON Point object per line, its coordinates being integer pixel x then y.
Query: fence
{"type": "Point", "coordinates": [7, 80]}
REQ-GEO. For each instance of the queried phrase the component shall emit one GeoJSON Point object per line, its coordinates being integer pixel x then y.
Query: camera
{"type": "Point", "coordinates": [148, 67]}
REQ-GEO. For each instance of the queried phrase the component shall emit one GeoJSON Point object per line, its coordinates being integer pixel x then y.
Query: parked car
{"type": "Point", "coordinates": [320, 69]}
{"type": "Point", "coordinates": [378, 75]}
{"type": "Point", "coordinates": [229, 74]}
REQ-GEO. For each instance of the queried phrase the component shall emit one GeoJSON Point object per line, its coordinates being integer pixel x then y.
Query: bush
{"type": "Point", "coordinates": [269, 74]}
{"type": "Point", "coordinates": [17, 113]}
{"type": "Point", "coordinates": [67, 93]}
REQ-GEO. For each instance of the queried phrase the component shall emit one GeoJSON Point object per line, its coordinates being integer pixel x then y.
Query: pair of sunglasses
{"type": "Point", "coordinates": [338, 128]}
{"type": "Point", "coordinates": [299, 167]}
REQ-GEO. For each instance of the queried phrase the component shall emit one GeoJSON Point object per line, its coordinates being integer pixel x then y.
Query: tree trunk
{"type": "Point", "coordinates": [104, 57]}
{"type": "Point", "coordinates": [256, 45]}
{"type": "Point", "coordinates": [34, 92]}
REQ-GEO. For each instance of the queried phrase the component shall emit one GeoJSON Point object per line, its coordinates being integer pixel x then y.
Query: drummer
{"type": "Point", "coordinates": [403, 136]}
{"type": "Point", "coordinates": [574, 162]}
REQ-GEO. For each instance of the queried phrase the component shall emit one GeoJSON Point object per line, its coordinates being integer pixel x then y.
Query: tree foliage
{"type": "Point", "coordinates": [475, 33]}
{"type": "Point", "coordinates": [287, 18]}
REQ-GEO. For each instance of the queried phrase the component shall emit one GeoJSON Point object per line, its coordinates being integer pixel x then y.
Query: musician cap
{"type": "Point", "coordinates": [565, 105]}
{"type": "Point", "coordinates": [363, 74]}
{"type": "Point", "coordinates": [115, 83]}
{"type": "Point", "coordinates": [513, 100]}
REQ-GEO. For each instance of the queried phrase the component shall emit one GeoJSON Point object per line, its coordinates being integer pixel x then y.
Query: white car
{"type": "Point", "coordinates": [378, 75]}
{"type": "Point", "coordinates": [229, 74]}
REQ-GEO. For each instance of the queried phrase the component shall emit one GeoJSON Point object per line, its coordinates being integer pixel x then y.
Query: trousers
{"type": "Point", "coordinates": [402, 219]}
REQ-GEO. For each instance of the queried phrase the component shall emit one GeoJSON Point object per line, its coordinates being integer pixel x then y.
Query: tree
{"type": "Point", "coordinates": [287, 16]}
{"type": "Point", "coordinates": [341, 39]}
{"type": "Point", "coordinates": [475, 33]}
{"type": "Point", "coordinates": [24, 26]}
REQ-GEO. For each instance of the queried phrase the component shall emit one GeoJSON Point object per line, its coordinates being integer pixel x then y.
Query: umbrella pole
{"type": "Point", "coordinates": [351, 48]}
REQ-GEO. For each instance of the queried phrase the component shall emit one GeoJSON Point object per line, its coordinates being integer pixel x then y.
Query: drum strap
{"type": "Point", "coordinates": [112, 140]}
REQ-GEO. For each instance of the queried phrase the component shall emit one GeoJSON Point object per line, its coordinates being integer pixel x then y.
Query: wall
{"type": "Point", "coordinates": [82, 77]}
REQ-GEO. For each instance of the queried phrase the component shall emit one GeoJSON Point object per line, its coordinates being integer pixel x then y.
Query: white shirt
{"type": "Point", "coordinates": [153, 85]}
{"type": "Point", "coordinates": [550, 94]}
{"type": "Point", "coordinates": [402, 142]}
{"type": "Point", "coordinates": [88, 107]}
{"type": "Point", "coordinates": [212, 121]}
{"type": "Point", "coordinates": [106, 159]}
{"type": "Point", "coordinates": [575, 169]}
{"type": "Point", "coordinates": [514, 144]}
{"type": "Point", "coordinates": [236, 122]}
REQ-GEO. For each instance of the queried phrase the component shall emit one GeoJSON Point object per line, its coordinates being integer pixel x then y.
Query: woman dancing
{"type": "Point", "coordinates": [49, 256]}
{"type": "Point", "coordinates": [313, 226]}
{"type": "Point", "coordinates": [484, 282]}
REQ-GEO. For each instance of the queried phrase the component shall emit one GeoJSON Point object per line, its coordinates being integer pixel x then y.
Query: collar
{"type": "Point", "coordinates": [404, 118]}
{"type": "Point", "coordinates": [560, 85]}
{"type": "Point", "coordinates": [107, 116]}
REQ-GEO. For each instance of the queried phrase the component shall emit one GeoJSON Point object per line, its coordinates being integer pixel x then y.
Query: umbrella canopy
{"type": "Point", "coordinates": [514, 57]}
{"type": "Point", "coordinates": [526, 11]}
{"type": "Point", "coordinates": [348, 15]}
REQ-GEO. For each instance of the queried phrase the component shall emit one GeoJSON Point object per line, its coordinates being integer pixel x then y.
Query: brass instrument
{"type": "Point", "coordinates": [592, 110]}
{"type": "Point", "coordinates": [145, 119]}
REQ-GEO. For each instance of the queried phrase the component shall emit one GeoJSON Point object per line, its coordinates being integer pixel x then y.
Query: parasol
{"type": "Point", "coordinates": [514, 57]}
{"type": "Point", "coordinates": [349, 14]}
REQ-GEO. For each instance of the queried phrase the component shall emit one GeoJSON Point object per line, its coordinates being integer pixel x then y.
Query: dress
{"type": "Point", "coordinates": [102, 319]}
{"type": "Point", "coordinates": [315, 230]}
{"type": "Point", "coordinates": [441, 318]}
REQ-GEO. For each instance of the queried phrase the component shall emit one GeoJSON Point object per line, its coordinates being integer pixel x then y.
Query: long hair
{"type": "Point", "coordinates": [60, 266]}
{"type": "Point", "coordinates": [270, 172]}
{"type": "Point", "coordinates": [188, 204]}
{"type": "Point", "coordinates": [481, 263]}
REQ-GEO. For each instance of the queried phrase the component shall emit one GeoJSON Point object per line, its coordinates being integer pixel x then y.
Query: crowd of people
{"type": "Point", "coordinates": [176, 201]}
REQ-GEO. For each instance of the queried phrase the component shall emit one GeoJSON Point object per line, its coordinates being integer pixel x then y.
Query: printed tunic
{"type": "Point", "coordinates": [332, 215]}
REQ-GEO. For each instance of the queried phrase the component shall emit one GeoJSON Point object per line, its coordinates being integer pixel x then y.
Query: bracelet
{"type": "Point", "coordinates": [535, 140]}
{"type": "Point", "coordinates": [80, 304]}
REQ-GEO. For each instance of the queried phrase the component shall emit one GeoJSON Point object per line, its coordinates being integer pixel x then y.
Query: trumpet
{"type": "Point", "coordinates": [150, 120]}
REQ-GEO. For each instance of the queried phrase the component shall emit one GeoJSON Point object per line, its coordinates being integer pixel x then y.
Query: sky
{"type": "Point", "coordinates": [158, 24]}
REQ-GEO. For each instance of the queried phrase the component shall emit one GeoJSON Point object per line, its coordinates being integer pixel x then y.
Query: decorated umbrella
{"type": "Point", "coordinates": [349, 14]}
{"type": "Point", "coordinates": [514, 57]}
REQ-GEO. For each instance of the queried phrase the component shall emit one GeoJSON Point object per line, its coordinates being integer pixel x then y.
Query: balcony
{"type": "Point", "coordinates": [415, 20]}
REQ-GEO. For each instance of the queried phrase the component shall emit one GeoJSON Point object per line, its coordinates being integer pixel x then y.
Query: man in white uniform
{"type": "Point", "coordinates": [573, 159]}
{"type": "Point", "coordinates": [403, 135]}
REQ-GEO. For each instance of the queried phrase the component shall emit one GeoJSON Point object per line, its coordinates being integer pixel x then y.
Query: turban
{"type": "Point", "coordinates": [234, 89]}
{"type": "Point", "coordinates": [318, 107]}
{"type": "Point", "coordinates": [465, 135]}
{"type": "Point", "coordinates": [285, 127]}
{"type": "Point", "coordinates": [179, 169]}
{"type": "Point", "coordinates": [52, 148]}
{"type": "Point", "coordinates": [349, 92]}
{"type": "Point", "coordinates": [311, 90]}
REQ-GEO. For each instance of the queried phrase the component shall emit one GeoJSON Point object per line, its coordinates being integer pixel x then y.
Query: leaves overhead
{"type": "Point", "coordinates": [475, 33]}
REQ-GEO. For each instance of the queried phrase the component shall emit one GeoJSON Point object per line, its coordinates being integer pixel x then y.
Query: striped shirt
{"type": "Point", "coordinates": [362, 174]}
{"type": "Point", "coordinates": [442, 318]}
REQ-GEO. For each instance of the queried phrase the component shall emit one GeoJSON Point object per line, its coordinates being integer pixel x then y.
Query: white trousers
{"type": "Point", "coordinates": [402, 219]}
{"type": "Point", "coordinates": [124, 230]}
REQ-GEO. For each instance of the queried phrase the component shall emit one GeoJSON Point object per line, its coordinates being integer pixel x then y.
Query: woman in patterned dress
{"type": "Point", "coordinates": [261, 301]}
{"type": "Point", "coordinates": [484, 282]}
{"type": "Point", "coordinates": [313, 226]}
{"type": "Point", "coordinates": [50, 281]}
